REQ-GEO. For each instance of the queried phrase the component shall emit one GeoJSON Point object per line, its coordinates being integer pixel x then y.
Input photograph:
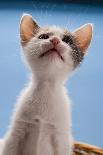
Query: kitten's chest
{"type": "Point", "coordinates": [49, 106]}
{"type": "Point", "coordinates": [47, 102]}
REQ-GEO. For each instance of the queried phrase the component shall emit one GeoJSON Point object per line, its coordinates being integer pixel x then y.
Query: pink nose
{"type": "Point", "coordinates": [55, 41]}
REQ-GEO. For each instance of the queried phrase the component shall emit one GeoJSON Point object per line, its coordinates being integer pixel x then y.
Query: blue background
{"type": "Point", "coordinates": [85, 85]}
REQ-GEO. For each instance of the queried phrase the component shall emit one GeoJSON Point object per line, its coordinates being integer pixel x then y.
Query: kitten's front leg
{"type": "Point", "coordinates": [62, 144]}
{"type": "Point", "coordinates": [12, 142]}
{"type": "Point", "coordinates": [10, 147]}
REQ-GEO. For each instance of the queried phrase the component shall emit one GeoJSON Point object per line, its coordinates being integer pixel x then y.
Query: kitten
{"type": "Point", "coordinates": [41, 123]}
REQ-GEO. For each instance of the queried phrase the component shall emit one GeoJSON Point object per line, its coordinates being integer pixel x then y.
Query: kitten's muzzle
{"type": "Point", "coordinates": [51, 51]}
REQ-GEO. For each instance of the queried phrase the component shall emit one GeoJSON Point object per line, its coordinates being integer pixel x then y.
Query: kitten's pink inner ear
{"type": "Point", "coordinates": [28, 28]}
{"type": "Point", "coordinates": [83, 36]}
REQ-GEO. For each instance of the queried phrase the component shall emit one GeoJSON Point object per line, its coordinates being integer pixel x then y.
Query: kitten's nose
{"type": "Point", "coordinates": [55, 41]}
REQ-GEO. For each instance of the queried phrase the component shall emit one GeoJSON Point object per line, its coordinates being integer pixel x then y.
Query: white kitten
{"type": "Point", "coordinates": [41, 123]}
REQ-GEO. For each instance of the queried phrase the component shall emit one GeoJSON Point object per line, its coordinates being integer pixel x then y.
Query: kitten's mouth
{"type": "Point", "coordinates": [52, 51]}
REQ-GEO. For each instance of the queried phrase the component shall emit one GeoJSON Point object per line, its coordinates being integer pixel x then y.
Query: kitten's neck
{"type": "Point", "coordinates": [46, 82]}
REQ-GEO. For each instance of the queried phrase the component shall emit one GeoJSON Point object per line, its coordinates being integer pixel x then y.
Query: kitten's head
{"type": "Point", "coordinates": [53, 51]}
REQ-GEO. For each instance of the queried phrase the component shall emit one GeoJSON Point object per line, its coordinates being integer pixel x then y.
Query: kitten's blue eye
{"type": "Point", "coordinates": [67, 39]}
{"type": "Point", "coordinates": [43, 36]}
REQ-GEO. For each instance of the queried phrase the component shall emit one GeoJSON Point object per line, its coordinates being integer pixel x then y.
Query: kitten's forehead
{"type": "Point", "coordinates": [54, 29]}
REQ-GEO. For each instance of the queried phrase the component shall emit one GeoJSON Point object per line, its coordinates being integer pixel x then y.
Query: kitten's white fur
{"type": "Point", "coordinates": [41, 123]}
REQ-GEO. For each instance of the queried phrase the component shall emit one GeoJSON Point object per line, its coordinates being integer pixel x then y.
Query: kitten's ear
{"type": "Point", "coordinates": [28, 28]}
{"type": "Point", "coordinates": [83, 35]}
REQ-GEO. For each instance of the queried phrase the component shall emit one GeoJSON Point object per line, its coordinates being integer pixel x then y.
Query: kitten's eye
{"type": "Point", "coordinates": [67, 39]}
{"type": "Point", "coordinates": [43, 36]}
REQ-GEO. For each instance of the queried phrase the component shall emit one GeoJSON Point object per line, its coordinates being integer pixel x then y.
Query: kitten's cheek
{"type": "Point", "coordinates": [62, 49]}
{"type": "Point", "coordinates": [46, 46]}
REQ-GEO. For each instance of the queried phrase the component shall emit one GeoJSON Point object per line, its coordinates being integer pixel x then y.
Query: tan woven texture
{"type": "Point", "coordinates": [86, 149]}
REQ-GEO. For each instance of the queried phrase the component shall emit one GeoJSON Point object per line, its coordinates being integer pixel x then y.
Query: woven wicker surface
{"type": "Point", "coordinates": [86, 149]}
